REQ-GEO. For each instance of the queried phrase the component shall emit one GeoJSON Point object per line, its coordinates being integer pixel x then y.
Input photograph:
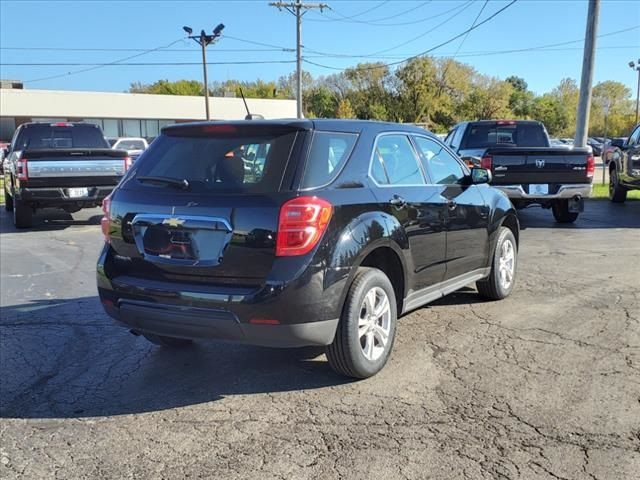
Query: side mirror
{"type": "Point", "coordinates": [480, 176]}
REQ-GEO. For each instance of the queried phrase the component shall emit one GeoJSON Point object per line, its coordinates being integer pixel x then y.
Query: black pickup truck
{"type": "Point", "coordinates": [59, 165]}
{"type": "Point", "coordinates": [525, 166]}
{"type": "Point", "coordinates": [624, 168]}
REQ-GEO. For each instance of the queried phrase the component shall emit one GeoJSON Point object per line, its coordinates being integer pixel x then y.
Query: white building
{"type": "Point", "coordinates": [125, 114]}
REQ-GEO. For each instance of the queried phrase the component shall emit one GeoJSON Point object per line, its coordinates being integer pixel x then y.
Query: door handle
{"type": "Point", "coordinates": [397, 201]}
{"type": "Point", "coordinates": [452, 204]}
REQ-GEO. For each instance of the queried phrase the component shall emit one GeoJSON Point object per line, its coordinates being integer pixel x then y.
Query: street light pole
{"type": "Point", "coordinates": [204, 40]}
{"type": "Point", "coordinates": [633, 65]}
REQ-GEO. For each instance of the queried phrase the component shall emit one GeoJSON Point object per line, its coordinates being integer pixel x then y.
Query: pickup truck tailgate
{"type": "Point", "coordinates": [544, 165]}
{"type": "Point", "coordinates": [62, 167]}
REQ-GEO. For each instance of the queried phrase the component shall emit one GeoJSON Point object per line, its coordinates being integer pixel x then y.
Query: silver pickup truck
{"type": "Point", "coordinates": [59, 165]}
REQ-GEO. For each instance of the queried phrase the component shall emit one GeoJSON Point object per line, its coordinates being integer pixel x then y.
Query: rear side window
{"type": "Point", "coordinates": [507, 134]}
{"type": "Point", "coordinates": [52, 136]}
{"type": "Point", "coordinates": [329, 151]}
{"type": "Point", "coordinates": [241, 162]}
{"type": "Point", "coordinates": [394, 162]}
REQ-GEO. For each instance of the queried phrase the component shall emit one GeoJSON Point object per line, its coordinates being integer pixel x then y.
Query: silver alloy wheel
{"type": "Point", "coordinates": [506, 264]}
{"type": "Point", "coordinates": [374, 323]}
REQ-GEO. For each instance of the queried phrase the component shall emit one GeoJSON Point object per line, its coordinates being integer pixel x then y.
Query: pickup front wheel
{"type": "Point", "coordinates": [617, 193]}
{"type": "Point", "coordinates": [22, 214]}
{"type": "Point", "coordinates": [561, 212]}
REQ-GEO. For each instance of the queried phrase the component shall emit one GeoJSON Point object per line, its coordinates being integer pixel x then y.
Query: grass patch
{"type": "Point", "coordinates": [601, 192]}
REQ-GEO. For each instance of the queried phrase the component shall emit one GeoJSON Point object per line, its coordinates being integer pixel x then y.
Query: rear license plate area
{"type": "Point", "coordinates": [77, 192]}
{"type": "Point", "coordinates": [538, 189]}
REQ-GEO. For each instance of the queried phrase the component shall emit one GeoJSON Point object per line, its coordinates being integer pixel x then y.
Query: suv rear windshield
{"type": "Point", "coordinates": [509, 134]}
{"type": "Point", "coordinates": [219, 158]}
{"type": "Point", "coordinates": [58, 136]}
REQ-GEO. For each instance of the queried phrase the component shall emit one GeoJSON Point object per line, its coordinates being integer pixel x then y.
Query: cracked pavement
{"type": "Point", "coordinates": [545, 384]}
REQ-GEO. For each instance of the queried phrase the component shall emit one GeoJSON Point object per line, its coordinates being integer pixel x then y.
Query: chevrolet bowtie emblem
{"type": "Point", "coordinates": [173, 222]}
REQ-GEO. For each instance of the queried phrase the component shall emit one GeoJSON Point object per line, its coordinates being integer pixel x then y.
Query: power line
{"type": "Point", "coordinates": [446, 42]}
{"type": "Point", "coordinates": [252, 42]}
{"type": "Point", "coordinates": [345, 17]}
{"type": "Point", "coordinates": [464, 6]}
{"type": "Point", "coordinates": [409, 22]}
{"type": "Point", "coordinates": [372, 22]}
{"type": "Point", "coordinates": [139, 64]}
{"type": "Point", "coordinates": [106, 64]}
{"type": "Point", "coordinates": [481, 53]}
{"type": "Point", "coordinates": [424, 34]}
{"type": "Point", "coordinates": [61, 49]}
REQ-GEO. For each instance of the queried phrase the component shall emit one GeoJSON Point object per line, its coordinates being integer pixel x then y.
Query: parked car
{"type": "Point", "coordinates": [61, 165]}
{"type": "Point", "coordinates": [595, 145]}
{"type": "Point", "coordinates": [624, 168]}
{"type": "Point", "coordinates": [612, 148]}
{"type": "Point", "coordinates": [557, 143]}
{"type": "Point", "coordinates": [134, 146]}
{"type": "Point", "coordinates": [525, 166]}
{"type": "Point", "coordinates": [348, 225]}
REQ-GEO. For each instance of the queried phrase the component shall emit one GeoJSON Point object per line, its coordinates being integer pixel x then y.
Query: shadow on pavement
{"type": "Point", "coordinates": [66, 359]}
{"type": "Point", "coordinates": [50, 220]}
{"type": "Point", "coordinates": [598, 214]}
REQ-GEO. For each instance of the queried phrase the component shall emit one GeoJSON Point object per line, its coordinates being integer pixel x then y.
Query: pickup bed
{"type": "Point", "coordinates": [61, 165]}
{"type": "Point", "coordinates": [525, 167]}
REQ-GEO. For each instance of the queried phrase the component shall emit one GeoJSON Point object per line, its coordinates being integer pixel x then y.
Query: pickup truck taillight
{"type": "Point", "coordinates": [127, 163]}
{"type": "Point", "coordinates": [302, 222]}
{"type": "Point", "coordinates": [487, 162]}
{"type": "Point", "coordinates": [22, 169]}
{"type": "Point", "coordinates": [591, 166]}
{"type": "Point", "coordinates": [104, 221]}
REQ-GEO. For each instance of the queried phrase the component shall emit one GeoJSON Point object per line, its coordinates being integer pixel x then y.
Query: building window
{"type": "Point", "coordinates": [131, 128]}
{"type": "Point", "coordinates": [151, 129]}
{"type": "Point", "coordinates": [110, 127]}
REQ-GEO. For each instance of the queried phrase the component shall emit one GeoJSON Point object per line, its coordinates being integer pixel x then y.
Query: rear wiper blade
{"type": "Point", "coordinates": [173, 182]}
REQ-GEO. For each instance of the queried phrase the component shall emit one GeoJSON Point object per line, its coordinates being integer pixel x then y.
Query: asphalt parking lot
{"type": "Point", "coordinates": [545, 384]}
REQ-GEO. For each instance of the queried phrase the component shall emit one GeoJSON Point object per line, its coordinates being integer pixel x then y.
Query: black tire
{"type": "Point", "coordinates": [22, 214]}
{"type": "Point", "coordinates": [617, 193]}
{"type": "Point", "coordinates": [561, 213]}
{"type": "Point", "coordinates": [346, 354]}
{"type": "Point", "coordinates": [169, 342]}
{"type": "Point", "coordinates": [8, 201]}
{"type": "Point", "coordinates": [492, 287]}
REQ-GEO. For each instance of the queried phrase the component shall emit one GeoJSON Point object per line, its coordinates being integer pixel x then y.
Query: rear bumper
{"type": "Point", "coordinates": [59, 196]}
{"type": "Point", "coordinates": [517, 192]}
{"type": "Point", "coordinates": [221, 324]}
{"type": "Point", "coordinates": [298, 313]}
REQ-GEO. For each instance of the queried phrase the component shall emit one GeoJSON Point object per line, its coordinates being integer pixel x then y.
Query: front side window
{"type": "Point", "coordinates": [443, 168]}
{"type": "Point", "coordinates": [329, 151]}
{"type": "Point", "coordinates": [395, 163]}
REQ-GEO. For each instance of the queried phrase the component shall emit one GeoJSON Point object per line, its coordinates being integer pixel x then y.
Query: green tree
{"type": "Point", "coordinates": [489, 98]}
{"type": "Point", "coordinates": [621, 109]}
{"type": "Point", "coordinates": [522, 100]}
{"type": "Point", "coordinates": [165, 87]}
{"type": "Point", "coordinates": [345, 110]}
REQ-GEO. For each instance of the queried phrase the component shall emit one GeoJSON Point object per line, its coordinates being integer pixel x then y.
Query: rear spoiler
{"type": "Point", "coordinates": [36, 153]}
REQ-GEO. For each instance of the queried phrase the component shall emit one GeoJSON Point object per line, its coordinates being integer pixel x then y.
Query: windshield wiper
{"type": "Point", "coordinates": [182, 183]}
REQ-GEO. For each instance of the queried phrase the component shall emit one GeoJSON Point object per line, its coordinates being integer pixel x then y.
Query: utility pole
{"type": "Point", "coordinates": [204, 40]}
{"type": "Point", "coordinates": [588, 61]}
{"type": "Point", "coordinates": [298, 9]}
{"type": "Point", "coordinates": [633, 65]}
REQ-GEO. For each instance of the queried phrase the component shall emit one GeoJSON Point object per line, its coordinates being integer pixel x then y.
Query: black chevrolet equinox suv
{"type": "Point", "coordinates": [299, 232]}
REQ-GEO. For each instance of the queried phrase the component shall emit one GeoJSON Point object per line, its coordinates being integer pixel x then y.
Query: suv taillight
{"type": "Point", "coordinates": [104, 221]}
{"type": "Point", "coordinates": [486, 162]}
{"type": "Point", "coordinates": [22, 169]}
{"type": "Point", "coordinates": [591, 166]}
{"type": "Point", "coordinates": [127, 163]}
{"type": "Point", "coordinates": [302, 222]}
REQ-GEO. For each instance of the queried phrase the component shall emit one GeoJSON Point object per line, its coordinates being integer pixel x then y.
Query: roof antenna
{"type": "Point", "coordinates": [249, 115]}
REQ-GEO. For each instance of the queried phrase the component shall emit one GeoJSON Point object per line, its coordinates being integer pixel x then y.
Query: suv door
{"type": "Point", "coordinates": [401, 186]}
{"type": "Point", "coordinates": [467, 214]}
